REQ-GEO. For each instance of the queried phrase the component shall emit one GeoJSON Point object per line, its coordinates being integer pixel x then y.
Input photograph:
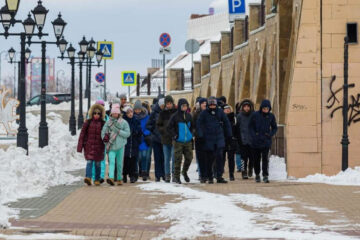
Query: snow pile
{"type": "Point", "coordinates": [349, 177]}
{"type": "Point", "coordinates": [277, 168]}
{"type": "Point", "coordinates": [29, 176]}
{"type": "Point", "coordinates": [197, 216]}
{"type": "Point", "coordinates": [45, 236]}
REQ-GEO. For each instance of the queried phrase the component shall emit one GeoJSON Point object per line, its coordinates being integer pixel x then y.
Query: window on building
{"type": "Point", "coordinates": [352, 32]}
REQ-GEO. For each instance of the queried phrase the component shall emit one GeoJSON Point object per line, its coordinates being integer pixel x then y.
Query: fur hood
{"type": "Point", "coordinates": [98, 107]}
{"type": "Point", "coordinates": [248, 102]}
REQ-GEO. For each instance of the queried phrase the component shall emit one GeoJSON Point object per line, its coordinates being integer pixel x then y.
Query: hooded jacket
{"type": "Point", "coordinates": [119, 128]}
{"type": "Point", "coordinates": [180, 124]}
{"type": "Point", "coordinates": [213, 127]}
{"type": "Point", "coordinates": [242, 130]}
{"type": "Point", "coordinates": [143, 117]}
{"type": "Point", "coordinates": [262, 127]}
{"type": "Point", "coordinates": [151, 124]}
{"type": "Point", "coordinates": [162, 123]}
{"type": "Point", "coordinates": [90, 137]}
{"type": "Point", "coordinates": [133, 142]}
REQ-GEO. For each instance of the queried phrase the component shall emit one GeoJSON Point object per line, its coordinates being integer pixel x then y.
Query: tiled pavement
{"type": "Point", "coordinates": [108, 212]}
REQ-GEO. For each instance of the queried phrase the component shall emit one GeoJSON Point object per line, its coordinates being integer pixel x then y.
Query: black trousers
{"type": "Point", "coordinates": [215, 160]}
{"type": "Point", "coordinates": [130, 167]}
{"type": "Point", "coordinates": [231, 160]}
{"type": "Point", "coordinates": [201, 157]}
{"type": "Point", "coordinates": [247, 157]}
{"type": "Point", "coordinates": [261, 155]}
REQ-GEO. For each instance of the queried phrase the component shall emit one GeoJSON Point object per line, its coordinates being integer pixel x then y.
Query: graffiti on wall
{"type": "Point", "coordinates": [334, 103]}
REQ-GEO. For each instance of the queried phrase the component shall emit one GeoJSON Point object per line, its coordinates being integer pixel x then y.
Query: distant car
{"type": "Point", "coordinates": [53, 98]}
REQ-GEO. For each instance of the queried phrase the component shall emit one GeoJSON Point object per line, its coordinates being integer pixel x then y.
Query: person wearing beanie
{"type": "Point", "coordinates": [91, 142]}
{"type": "Point", "coordinates": [156, 139]}
{"type": "Point", "coordinates": [212, 128]}
{"type": "Point", "coordinates": [115, 133]}
{"type": "Point", "coordinates": [166, 138]}
{"type": "Point", "coordinates": [231, 143]}
{"type": "Point", "coordinates": [180, 128]}
{"type": "Point", "coordinates": [199, 146]}
{"type": "Point", "coordinates": [263, 127]}
{"type": "Point", "coordinates": [144, 158]}
{"type": "Point", "coordinates": [132, 146]}
{"type": "Point", "coordinates": [244, 138]}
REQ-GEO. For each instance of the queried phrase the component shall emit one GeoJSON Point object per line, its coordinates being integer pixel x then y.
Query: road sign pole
{"type": "Point", "coordinates": [164, 74]}
{"type": "Point", "coordinates": [129, 92]}
{"type": "Point", "coordinates": [105, 97]}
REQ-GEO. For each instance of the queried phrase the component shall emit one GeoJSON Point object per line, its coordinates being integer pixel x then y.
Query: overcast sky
{"type": "Point", "coordinates": [134, 26]}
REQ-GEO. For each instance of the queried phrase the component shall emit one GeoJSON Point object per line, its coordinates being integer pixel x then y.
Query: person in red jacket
{"type": "Point", "coordinates": [90, 140]}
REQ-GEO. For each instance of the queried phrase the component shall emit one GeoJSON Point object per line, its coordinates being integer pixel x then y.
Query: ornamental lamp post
{"type": "Point", "coordinates": [11, 54]}
{"type": "Point", "coordinates": [62, 46]}
{"type": "Point", "coordinates": [13, 6]}
{"type": "Point", "coordinates": [81, 56]}
{"type": "Point", "coordinates": [99, 57]}
{"type": "Point", "coordinates": [71, 54]}
{"type": "Point", "coordinates": [5, 18]}
{"type": "Point", "coordinates": [40, 13]}
{"type": "Point", "coordinates": [90, 54]}
{"type": "Point", "coordinates": [59, 26]}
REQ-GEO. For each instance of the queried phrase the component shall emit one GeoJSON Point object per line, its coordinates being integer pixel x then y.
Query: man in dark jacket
{"type": "Point", "coordinates": [132, 146]}
{"type": "Point", "coordinates": [243, 136]}
{"type": "Point", "coordinates": [231, 143]}
{"type": "Point", "coordinates": [166, 138]}
{"type": "Point", "coordinates": [263, 127]}
{"type": "Point", "coordinates": [181, 129]}
{"type": "Point", "coordinates": [156, 140]}
{"type": "Point", "coordinates": [199, 146]}
{"type": "Point", "coordinates": [212, 128]}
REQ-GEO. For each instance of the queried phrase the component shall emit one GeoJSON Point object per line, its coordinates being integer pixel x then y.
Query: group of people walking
{"type": "Point", "coordinates": [128, 135]}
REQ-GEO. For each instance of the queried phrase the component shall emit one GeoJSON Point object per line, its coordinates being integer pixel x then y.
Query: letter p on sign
{"type": "Point", "coordinates": [237, 6]}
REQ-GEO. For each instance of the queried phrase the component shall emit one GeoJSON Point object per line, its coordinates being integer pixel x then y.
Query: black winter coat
{"type": "Point", "coordinates": [151, 124]}
{"type": "Point", "coordinates": [262, 127]}
{"type": "Point", "coordinates": [133, 142]}
{"type": "Point", "coordinates": [162, 124]}
{"type": "Point", "coordinates": [231, 143]}
{"type": "Point", "coordinates": [213, 127]}
{"type": "Point", "coordinates": [242, 129]}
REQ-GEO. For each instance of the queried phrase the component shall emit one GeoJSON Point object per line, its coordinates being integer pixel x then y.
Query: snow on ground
{"type": "Point", "coordinates": [277, 169]}
{"type": "Point", "coordinates": [201, 213]}
{"type": "Point", "coordinates": [198, 213]}
{"type": "Point", "coordinates": [40, 236]}
{"type": "Point", "coordinates": [350, 177]}
{"type": "Point", "coordinates": [30, 176]}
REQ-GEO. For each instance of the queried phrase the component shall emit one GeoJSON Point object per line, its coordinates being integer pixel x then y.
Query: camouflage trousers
{"type": "Point", "coordinates": [181, 149]}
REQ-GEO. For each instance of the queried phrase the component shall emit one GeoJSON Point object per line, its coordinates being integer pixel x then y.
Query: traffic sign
{"type": "Point", "coordinates": [165, 40]}
{"type": "Point", "coordinates": [107, 48]}
{"type": "Point", "coordinates": [165, 51]}
{"type": "Point", "coordinates": [100, 77]}
{"type": "Point", "coordinates": [236, 8]}
{"type": "Point", "coordinates": [192, 46]}
{"type": "Point", "coordinates": [128, 78]}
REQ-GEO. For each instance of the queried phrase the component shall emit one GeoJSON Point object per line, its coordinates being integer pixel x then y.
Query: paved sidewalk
{"type": "Point", "coordinates": [107, 212]}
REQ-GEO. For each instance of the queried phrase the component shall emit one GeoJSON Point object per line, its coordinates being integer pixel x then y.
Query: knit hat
{"type": "Point", "coordinates": [212, 101]}
{"type": "Point", "coordinates": [115, 108]}
{"type": "Point", "coordinates": [123, 95]}
{"type": "Point", "coordinates": [161, 101]}
{"type": "Point", "coordinates": [202, 100]}
{"type": "Point", "coordinates": [127, 108]}
{"type": "Point", "coordinates": [138, 105]}
{"type": "Point", "coordinates": [101, 102]}
{"type": "Point", "coordinates": [168, 99]}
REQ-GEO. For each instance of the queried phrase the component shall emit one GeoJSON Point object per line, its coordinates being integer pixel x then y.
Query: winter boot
{"type": "Point", "coordinates": [97, 183]}
{"type": "Point", "coordinates": [244, 175]}
{"type": "Point", "coordinates": [257, 179]}
{"type": "Point", "coordinates": [87, 181]}
{"type": "Point", "coordinates": [132, 179]}
{"type": "Point", "coordinates": [211, 181]}
{"type": "Point", "coordinates": [173, 178]}
{"type": "Point", "coordinates": [221, 180]}
{"type": "Point", "coordinates": [232, 178]}
{"type": "Point", "coordinates": [110, 181]}
{"type": "Point", "coordinates": [102, 180]}
{"type": "Point", "coordinates": [266, 180]}
{"type": "Point", "coordinates": [144, 176]}
{"type": "Point", "coordinates": [167, 178]}
{"type": "Point", "coordinates": [186, 177]}
{"type": "Point", "coordinates": [125, 178]}
{"type": "Point", "coordinates": [119, 183]}
{"type": "Point", "coordinates": [157, 179]}
{"type": "Point", "coordinates": [177, 180]}
{"type": "Point", "coordinates": [203, 180]}
{"type": "Point", "coordinates": [250, 173]}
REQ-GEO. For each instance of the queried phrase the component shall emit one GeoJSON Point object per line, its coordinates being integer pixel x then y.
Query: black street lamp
{"type": "Point", "coordinates": [81, 56]}
{"type": "Point", "coordinates": [345, 138]}
{"type": "Point", "coordinates": [6, 13]}
{"type": "Point", "coordinates": [90, 55]}
{"type": "Point", "coordinates": [72, 122]}
{"type": "Point", "coordinates": [59, 24]}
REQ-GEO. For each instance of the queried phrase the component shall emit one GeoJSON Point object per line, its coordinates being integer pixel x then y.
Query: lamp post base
{"type": "Point", "coordinates": [43, 135]}
{"type": "Point", "coordinates": [72, 124]}
{"type": "Point", "coordinates": [22, 139]}
{"type": "Point", "coordinates": [80, 121]}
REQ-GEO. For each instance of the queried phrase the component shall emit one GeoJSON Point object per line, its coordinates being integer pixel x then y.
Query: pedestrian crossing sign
{"type": "Point", "coordinates": [107, 48]}
{"type": "Point", "coordinates": [128, 78]}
